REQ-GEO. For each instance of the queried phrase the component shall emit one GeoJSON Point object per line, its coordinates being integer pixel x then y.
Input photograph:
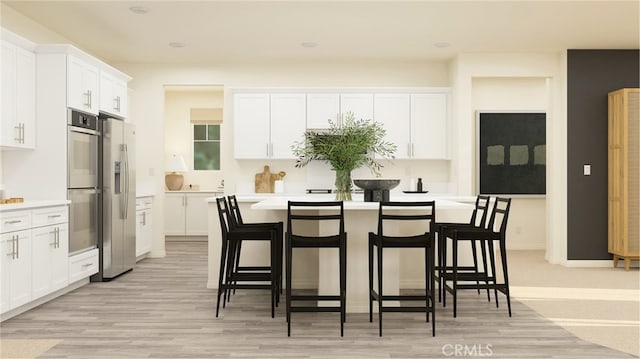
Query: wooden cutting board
{"type": "Point", "coordinates": [265, 181]}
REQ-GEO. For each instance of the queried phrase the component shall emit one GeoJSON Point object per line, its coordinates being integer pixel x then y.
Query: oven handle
{"type": "Point", "coordinates": [83, 130]}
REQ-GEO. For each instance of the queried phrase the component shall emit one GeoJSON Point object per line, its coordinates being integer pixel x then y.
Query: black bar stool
{"type": "Point", "coordinates": [478, 220]}
{"type": "Point", "coordinates": [304, 214]}
{"type": "Point", "coordinates": [229, 277]}
{"type": "Point", "coordinates": [423, 215]}
{"type": "Point", "coordinates": [494, 232]}
{"type": "Point", "coordinates": [237, 222]}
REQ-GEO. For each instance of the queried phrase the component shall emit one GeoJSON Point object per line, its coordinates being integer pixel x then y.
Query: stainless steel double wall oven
{"type": "Point", "coordinates": [83, 181]}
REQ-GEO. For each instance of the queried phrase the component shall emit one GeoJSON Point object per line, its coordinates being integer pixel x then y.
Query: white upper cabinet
{"type": "Point", "coordinates": [287, 123]}
{"type": "Point", "coordinates": [322, 107]}
{"type": "Point", "coordinates": [392, 111]}
{"type": "Point", "coordinates": [361, 104]}
{"type": "Point", "coordinates": [18, 97]}
{"type": "Point", "coordinates": [430, 125]}
{"type": "Point", "coordinates": [82, 85]}
{"type": "Point", "coordinates": [113, 95]}
{"type": "Point", "coordinates": [417, 123]}
{"type": "Point", "coordinates": [251, 125]}
{"type": "Point", "coordinates": [266, 125]}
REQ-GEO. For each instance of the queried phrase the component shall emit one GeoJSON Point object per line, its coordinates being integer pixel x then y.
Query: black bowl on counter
{"type": "Point", "coordinates": [376, 190]}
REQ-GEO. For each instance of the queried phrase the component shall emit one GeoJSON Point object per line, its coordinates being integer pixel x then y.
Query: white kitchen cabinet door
{"type": "Point", "coordinates": [361, 104]}
{"type": "Point", "coordinates": [196, 213]}
{"type": "Point", "coordinates": [287, 123]}
{"type": "Point", "coordinates": [393, 112]}
{"type": "Point", "coordinates": [251, 125]}
{"type": "Point", "coordinates": [16, 269]}
{"type": "Point", "coordinates": [174, 214]}
{"type": "Point", "coordinates": [18, 97]}
{"type": "Point", "coordinates": [113, 95]}
{"type": "Point", "coordinates": [144, 226]}
{"type": "Point", "coordinates": [50, 266]}
{"type": "Point", "coordinates": [9, 132]}
{"type": "Point", "coordinates": [82, 85]}
{"type": "Point", "coordinates": [320, 108]}
{"type": "Point", "coordinates": [429, 125]}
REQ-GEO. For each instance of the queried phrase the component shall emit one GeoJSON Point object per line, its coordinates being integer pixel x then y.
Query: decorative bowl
{"type": "Point", "coordinates": [376, 184]}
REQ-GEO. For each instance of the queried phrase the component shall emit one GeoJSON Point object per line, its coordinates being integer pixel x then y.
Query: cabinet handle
{"type": "Point", "coordinates": [55, 215]}
{"type": "Point", "coordinates": [117, 103]}
{"type": "Point", "coordinates": [57, 237]}
{"type": "Point", "coordinates": [13, 248]}
{"type": "Point", "coordinates": [17, 133]}
{"type": "Point", "coordinates": [267, 150]}
{"type": "Point", "coordinates": [413, 150]}
{"type": "Point", "coordinates": [89, 102]}
{"type": "Point", "coordinates": [23, 133]}
{"type": "Point", "coordinates": [144, 218]}
{"type": "Point", "coordinates": [17, 241]}
{"type": "Point", "coordinates": [53, 233]}
{"type": "Point", "coordinates": [13, 221]}
{"type": "Point", "coordinates": [87, 265]}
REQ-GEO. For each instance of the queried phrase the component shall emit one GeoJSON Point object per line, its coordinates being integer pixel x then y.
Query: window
{"type": "Point", "coordinates": [206, 147]}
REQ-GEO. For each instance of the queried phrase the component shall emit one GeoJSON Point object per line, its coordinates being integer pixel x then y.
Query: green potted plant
{"type": "Point", "coordinates": [354, 144]}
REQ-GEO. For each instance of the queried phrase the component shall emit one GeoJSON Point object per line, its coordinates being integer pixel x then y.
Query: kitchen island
{"type": "Point", "coordinates": [314, 268]}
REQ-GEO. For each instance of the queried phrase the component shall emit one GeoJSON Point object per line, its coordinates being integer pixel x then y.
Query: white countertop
{"type": "Point", "coordinates": [280, 203]}
{"type": "Point", "coordinates": [198, 191]}
{"type": "Point", "coordinates": [258, 197]}
{"type": "Point", "coordinates": [32, 204]}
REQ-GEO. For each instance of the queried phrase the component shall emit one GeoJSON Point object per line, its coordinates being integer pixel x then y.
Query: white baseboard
{"type": "Point", "coordinates": [597, 263]}
{"type": "Point", "coordinates": [16, 311]}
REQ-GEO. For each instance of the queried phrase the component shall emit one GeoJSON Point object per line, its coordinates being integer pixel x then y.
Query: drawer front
{"type": "Point", "coordinates": [14, 221]}
{"type": "Point", "coordinates": [83, 265]}
{"type": "Point", "coordinates": [143, 203]}
{"type": "Point", "coordinates": [50, 215]}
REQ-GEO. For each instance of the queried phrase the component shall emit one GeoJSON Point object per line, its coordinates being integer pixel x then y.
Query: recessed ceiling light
{"type": "Point", "coordinates": [177, 44]}
{"type": "Point", "coordinates": [442, 45]}
{"type": "Point", "coordinates": [309, 44]}
{"type": "Point", "coordinates": [140, 10]}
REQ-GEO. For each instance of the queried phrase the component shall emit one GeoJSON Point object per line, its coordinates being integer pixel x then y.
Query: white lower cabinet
{"type": "Point", "coordinates": [35, 249]}
{"type": "Point", "coordinates": [83, 265]}
{"type": "Point", "coordinates": [50, 259]}
{"type": "Point", "coordinates": [186, 213]}
{"type": "Point", "coordinates": [144, 225]}
{"type": "Point", "coordinates": [16, 269]}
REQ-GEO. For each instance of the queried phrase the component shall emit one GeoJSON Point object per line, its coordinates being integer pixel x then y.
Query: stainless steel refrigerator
{"type": "Point", "coordinates": [118, 243]}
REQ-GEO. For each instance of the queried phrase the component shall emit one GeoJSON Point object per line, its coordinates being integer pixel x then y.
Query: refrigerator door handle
{"type": "Point", "coordinates": [125, 202]}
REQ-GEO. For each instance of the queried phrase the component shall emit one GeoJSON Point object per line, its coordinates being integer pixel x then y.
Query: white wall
{"type": "Point", "coordinates": [481, 80]}
{"type": "Point", "coordinates": [527, 220]}
{"type": "Point", "coordinates": [178, 136]}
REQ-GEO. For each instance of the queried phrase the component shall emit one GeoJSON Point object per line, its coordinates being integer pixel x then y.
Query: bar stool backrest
{"type": "Point", "coordinates": [499, 216]}
{"type": "Point", "coordinates": [234, 212]}
{"type": "Point", "coordinates": [299, 213]}
{"type": "Point", "coordinates": [480, 212]}
{"type": "Point", "coordinates": [422, 214]}
{"type": "Point", "coordinates": [224, 215]}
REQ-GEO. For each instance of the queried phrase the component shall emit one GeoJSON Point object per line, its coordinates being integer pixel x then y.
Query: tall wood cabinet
{"type": "Point", "coordinates": [624, 175]}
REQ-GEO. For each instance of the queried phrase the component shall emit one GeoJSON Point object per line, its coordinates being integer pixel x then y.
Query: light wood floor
{"type": "Point", "coordinates": [163, 310]}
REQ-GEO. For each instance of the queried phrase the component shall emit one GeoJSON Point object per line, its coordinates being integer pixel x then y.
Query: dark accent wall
{"type": "Point", "coordinates": [591, 75]}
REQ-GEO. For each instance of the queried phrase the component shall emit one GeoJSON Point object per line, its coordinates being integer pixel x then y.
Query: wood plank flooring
{"type": "Point", "coordinates": [163, 310]}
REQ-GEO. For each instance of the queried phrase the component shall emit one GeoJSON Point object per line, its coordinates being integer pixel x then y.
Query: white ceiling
{"type": "Point", "coordinates": [265, 31]}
